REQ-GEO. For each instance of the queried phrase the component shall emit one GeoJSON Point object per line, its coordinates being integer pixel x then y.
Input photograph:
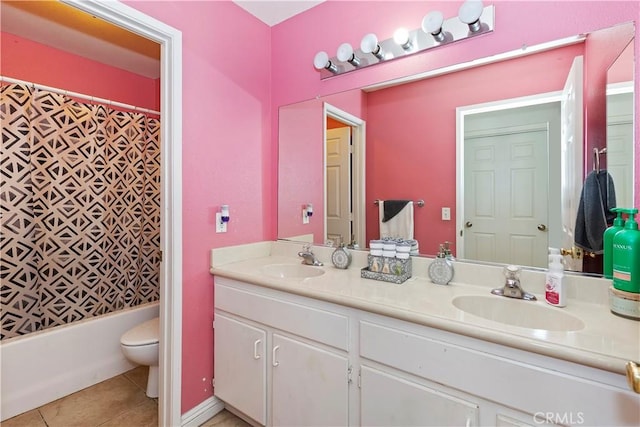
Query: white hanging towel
{"type": "Point", "coordinates": [399, 225]}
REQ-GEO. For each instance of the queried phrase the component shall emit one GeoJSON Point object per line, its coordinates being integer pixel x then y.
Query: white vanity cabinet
{"type": "Point", "coordinates": [280, 362]}
{"type": "Point", "coordinates": [286, 359]}
{"type": "Point", "coordinates": [473, 382]}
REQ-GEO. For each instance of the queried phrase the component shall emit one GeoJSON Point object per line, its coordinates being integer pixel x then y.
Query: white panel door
{"type": "Point", "coordinates": [388, 400]}
{"type": "Point", "coordinates": [310, 385]}
{"type": "Point", "coordinates": [240, 366]}
{"type": "Point", "coordinates": [571, 158]}
{"type": "Point", "coordinates": [338, 185]}
{"type": "Point", "coordinates": [505, 204]}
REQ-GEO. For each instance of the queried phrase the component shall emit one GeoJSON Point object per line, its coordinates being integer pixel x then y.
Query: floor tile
{"type": "Point", "coordinates": [225, 419]}
{"type": "Point", "coordinates": [139, 376]}
{"type": "Point", "coordinates": [28, 419]}
{"type": "Point", "coordinates": [143, 415]}
{"type": "Point", "coordinates": [95, 405]}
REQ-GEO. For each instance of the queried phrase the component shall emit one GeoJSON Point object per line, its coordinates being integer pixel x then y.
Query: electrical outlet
{"type": "Point", "coordinates": [305, 217]}
{"type": "Point", "coordinates": [221, 227]}
{"type": "Point", "coordinates": [446, 214]}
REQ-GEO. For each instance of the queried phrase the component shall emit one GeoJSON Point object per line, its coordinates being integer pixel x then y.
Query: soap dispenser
{"type": "Point", "coordinates": [441, 269]}
{"type": "Point", "coordinates": [609, 233]}
{"type": "Point", "coordinates": [626, 255]}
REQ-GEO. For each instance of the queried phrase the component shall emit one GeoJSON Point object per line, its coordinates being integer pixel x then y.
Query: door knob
{"type": "Point", "coordinates": [574, 252]}
{"type": "Point", "coordinates": [468, 224]}
{"type": "Point", "coordinates": [542, 227]}
{"type": "Point", "coordinates": [633, 376]}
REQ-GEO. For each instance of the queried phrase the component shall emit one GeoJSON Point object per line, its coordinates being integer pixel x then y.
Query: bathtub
{"type": "Point", "coordinates": [44, 366]}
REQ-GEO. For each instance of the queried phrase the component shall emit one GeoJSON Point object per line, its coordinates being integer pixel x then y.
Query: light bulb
{"type": "Point", "coordinates": [369, 44]}
{"type": "Point", "coordinates": [432, 24]}
{"type": "Point", "coordinates": [401, 37]}
{"type": "Point", "coordinates": [321, 60]}
{"type": "Point", "coordinates": [470, 13]}
{"type": "Point", "coordinates": [345, 54]}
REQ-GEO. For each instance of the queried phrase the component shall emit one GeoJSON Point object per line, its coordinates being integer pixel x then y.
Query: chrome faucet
{"type": "Point", "coordinates": [308, 257]}
{"type": "Point", "coordinates": [512, 288]}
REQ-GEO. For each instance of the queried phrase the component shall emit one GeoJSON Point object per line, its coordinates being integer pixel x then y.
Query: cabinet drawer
{"type": "Point", "coordinates": [527, 388]}
{"type": "Point", "coordinates": [388, 400]}
{"type": "Point", "coordinates": [318, 325]}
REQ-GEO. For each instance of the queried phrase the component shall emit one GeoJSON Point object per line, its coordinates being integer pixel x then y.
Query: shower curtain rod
{"type": "Point", "coordinates": [79, 95]}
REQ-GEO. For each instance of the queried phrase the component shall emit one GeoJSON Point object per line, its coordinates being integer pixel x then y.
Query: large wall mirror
{"type": "Point", "coordinates": [439, 138]}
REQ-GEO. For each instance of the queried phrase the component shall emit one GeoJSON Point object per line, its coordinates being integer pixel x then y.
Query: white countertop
{"type": "Point", "coordinates": [606, 342]}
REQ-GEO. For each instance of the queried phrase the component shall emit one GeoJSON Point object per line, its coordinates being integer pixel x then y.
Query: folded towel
{"type": "Point", "coordinates": [594, 211]}
{"type": "Point", "coordinates": [399, 225]}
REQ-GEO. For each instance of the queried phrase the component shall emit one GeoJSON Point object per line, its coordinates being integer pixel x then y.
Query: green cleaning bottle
{"type": "Point", "coordinates": [607, 259]}
{"type": "Point", "coordinates": [626, 255]}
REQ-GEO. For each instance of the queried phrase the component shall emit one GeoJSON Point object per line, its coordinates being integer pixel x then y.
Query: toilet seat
{"type": "Point", "coordinates": [144, 334]}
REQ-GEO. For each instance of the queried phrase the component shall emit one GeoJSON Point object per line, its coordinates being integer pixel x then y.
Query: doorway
{"type": "Point", "coordinates": [170, 40]}
{"type": "Point", "coordinates": [344, 156]}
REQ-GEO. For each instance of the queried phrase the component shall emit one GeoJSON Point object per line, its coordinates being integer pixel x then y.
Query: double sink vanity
{"type": "Point", "coordinates": [315, 345]}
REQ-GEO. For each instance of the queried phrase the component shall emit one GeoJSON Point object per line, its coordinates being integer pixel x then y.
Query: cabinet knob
{"type": "Point", "coordinates": [468, 224]}
{"type": "Point", "coordinates": [542, 227]}
{"type": "Point", "coordinates": [633, 376]}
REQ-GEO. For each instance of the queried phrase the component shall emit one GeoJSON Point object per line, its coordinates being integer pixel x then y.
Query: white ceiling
{"type": "Point", "coordinates": [273, 12]}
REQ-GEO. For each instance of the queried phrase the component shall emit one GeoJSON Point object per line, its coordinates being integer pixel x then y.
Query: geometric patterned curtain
{"type": "Point", "coordinates": [80, 210]}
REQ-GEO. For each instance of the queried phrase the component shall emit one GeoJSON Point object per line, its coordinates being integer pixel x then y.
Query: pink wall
{"type": "Point", "coordinates": [228, 157]}
{"type": "Point", "coordinates": [411, 134]}
{"type": "Point", "coordinates": [34, 62]}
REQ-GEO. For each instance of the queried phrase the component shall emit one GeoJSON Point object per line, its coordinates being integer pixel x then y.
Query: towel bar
{"type": "Point", "coordinates": [420, 202]}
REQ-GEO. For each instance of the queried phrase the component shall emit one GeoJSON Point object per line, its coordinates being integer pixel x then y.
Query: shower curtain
{"type": "Point", "coordinates": [80, 210]}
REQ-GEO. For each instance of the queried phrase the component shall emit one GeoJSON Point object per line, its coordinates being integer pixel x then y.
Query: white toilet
{"type": "Point", "coordinates": [140, 345]}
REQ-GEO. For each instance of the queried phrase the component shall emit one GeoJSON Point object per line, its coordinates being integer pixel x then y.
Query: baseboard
{"type": "Point", "coordinates": [201, 413]}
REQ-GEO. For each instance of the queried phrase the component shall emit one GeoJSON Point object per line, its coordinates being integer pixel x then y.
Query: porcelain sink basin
{"type": "Point", "coordinates": [513, 312]}
{"type": "Point", "coordinates": [292, 271]}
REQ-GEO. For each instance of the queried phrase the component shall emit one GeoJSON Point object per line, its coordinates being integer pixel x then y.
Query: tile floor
{"type": "Point", "coordinates": [116, 402]}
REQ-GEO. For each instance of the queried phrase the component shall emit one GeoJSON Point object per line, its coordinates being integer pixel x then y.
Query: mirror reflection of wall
{"type": "Point", "coordinates": [620, 150]}
{"type": "Point", "coordinates": [410, 151]}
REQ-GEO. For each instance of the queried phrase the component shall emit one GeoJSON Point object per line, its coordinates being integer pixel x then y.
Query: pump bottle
{"type": "Point", "coordinates": [626, 255]}
{"type": "Point", "coordinates": [554, 290]}
{"type": "Point", "coordinates": [609, 233]}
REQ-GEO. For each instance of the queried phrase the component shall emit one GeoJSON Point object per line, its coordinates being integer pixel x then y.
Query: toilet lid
{"type": "Point", "coordinates": [143, 334]}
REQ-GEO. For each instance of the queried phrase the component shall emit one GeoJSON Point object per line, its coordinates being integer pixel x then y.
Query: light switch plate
{"type": "Point", "coordinates": [446, 214]}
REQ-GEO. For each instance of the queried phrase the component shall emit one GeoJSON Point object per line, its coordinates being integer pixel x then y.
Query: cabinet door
{"type": "Point", "coordinates": [309, 385]}
{"type": "Point", "coordinates": [240, 366]}
{"type": "Point", "coordinates": [388, 400]}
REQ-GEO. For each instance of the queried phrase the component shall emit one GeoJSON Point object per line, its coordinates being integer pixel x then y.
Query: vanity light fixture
{"type": "Point", "coordinates": [322, 61]}
{"type": "Point", "coordinates": [473, 20]}
{"type": "Point", "coordinates": [470, 13]}
{"type": "Point", "coordinates": [432, 24]}
{"type": "Point", "coordinates": [369, 44]}
{"type": "Point", "coordinates": [402, 38]}
{"type": "Point", "coordinates": [345, 54]}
